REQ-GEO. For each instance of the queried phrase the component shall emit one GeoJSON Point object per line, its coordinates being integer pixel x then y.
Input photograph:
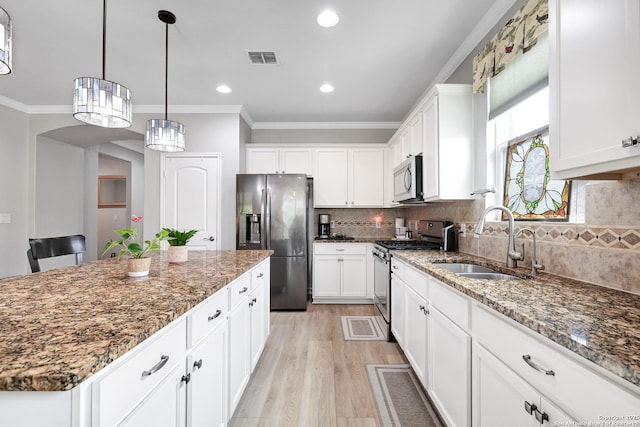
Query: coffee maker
{"type": "Point", "coordinates": [324, 226]}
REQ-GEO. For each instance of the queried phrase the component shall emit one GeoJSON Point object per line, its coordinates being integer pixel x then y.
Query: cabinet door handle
{"type": "Point", "coordinates": [186, 378]}
{"type": "Point", "coordinates": [395, 267]}
{"type": "Point", "coordinates": [260, 275]}
{"type": "Point", "coordinates": [198, 364]}
{"type": "Point", "coordinates": [243, 290]}
{"type": "Point", "coordinates": [529, 407]}
{"type": "Point", "coordinates": [541, 416]}
{"type": "Point", "coordinates": [424, 310]}
{"type": "Point", "coordinates": [163, 361]}
{"type": "Point", "coordinates": [535, 366]}
{"type": "Point", "coordinates": [254, 300]}
{"type": "Point", "coordinates": [628, 142]}
{"type": "Point", "coordinates": [215, 316]}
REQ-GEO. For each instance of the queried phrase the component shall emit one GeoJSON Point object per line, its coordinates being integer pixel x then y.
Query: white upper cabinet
{"type": "Point", "coordinates": [447, 125]}
{"type": "Point", "coordinates": [280, 160]}
{"type": "Point", "coordinates": [594, 88]}
{"type": "Point", "coordinates": [349, 177]}
{"type": "Point", "coordinates": [409, 139]}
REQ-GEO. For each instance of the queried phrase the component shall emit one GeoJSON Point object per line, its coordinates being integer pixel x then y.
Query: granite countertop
{"type": "Point", "coordinates": [598, 323]}
{"type": "Point", "coordinates": [61, 326]}
{"type": "Point", "coordinates": [350, 239]}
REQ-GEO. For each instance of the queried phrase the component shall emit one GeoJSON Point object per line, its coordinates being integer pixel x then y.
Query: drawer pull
{"type": "Point", "coordinates": [260, 275]}
{"type": "Point", "coordinates": [395, 267]}
{"type": "Point", "coordinates": [535, 366]}
{"type": "Point", "coordinates": [186, 378]}
{"type": "Point", "coordinates": [243, 290]}
{"type": "Point", "coordinates": [340, 250]}
{"type": "Point", "coordinates": [198, 364]}
{"type": "Point", "coordinates": [215, 316]}
{"type": "Point", "coordinates": [163, 361]}
{"type": "Point", "coordinates": [529, 407]}
{"type": "Point", "coordinates": [541, 416]}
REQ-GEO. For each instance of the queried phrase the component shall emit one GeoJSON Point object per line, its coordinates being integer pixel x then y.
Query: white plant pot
{"type": "Point", "coordinates": [138, 267]}
{"type": "Point", "coordinates": [178, 254]}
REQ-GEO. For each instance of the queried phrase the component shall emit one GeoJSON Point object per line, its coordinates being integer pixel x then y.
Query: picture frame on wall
{"type": "Point", "coordinates": [529, 191]}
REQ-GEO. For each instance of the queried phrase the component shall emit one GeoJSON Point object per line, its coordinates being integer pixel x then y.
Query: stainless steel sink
{"type": "Point", "coordinates": [488, 276]}
{"type": "Point", "coordinates": [465, 268]}
{"type": "Point", "coordinates": [474, 271]}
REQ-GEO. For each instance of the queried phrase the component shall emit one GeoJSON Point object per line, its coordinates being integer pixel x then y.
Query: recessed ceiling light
{"type": "Point", "coordinates": [223, 89]}
{"type": "Point", "coordinates": [326, 88]}
{"type": "Point", "coordinates": [328, 18]}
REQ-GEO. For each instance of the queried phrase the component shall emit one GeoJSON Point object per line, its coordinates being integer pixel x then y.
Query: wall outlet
{"type": "Point", "coordinates": [377, 224]}
{"type": "Point", "coordinates": [332, 224]}
{"type": "Point", "coordinates": [463, 230]}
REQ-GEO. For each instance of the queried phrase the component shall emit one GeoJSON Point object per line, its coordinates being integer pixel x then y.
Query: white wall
{"type": "Point", "coordinates": [14, 165]}
{"type": "Point", "coordinates": [59, 201]}
{"type": "Point", "coordinates": [205, 133]}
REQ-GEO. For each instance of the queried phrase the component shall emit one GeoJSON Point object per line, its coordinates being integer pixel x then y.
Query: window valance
{"type": "Point", "coordinates": [518, 35]}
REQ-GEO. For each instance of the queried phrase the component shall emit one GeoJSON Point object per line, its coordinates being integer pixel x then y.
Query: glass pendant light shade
{"type": "Point", "coordinates": [101, 102]}
{"type": "Point", "coordinates": [5, 42]}
{"type": "Point", "coordinates": [165, 135]}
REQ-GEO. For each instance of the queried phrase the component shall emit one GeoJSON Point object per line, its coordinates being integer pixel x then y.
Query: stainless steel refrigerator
{"type": "Point", "coordinates": [273, 212]}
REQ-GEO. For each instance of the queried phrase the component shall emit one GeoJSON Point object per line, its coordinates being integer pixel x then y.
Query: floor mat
{"type": "Point", "coordinates": [361, 328]}
{"type": "Point", "coordinates": [399, 397]}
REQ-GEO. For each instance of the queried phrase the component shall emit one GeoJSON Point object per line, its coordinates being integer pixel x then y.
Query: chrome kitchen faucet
{"type": "Point", "coordinates": [512, 255]}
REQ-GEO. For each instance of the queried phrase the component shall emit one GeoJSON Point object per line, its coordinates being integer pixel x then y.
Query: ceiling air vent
{"type": "Point", "coordinates": [263, 57]}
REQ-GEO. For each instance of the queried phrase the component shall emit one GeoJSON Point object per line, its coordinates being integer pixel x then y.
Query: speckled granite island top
{"type": "Point", "coordinates": [59, 327]}
{"type": "Point", "coordinates": [600, 324]}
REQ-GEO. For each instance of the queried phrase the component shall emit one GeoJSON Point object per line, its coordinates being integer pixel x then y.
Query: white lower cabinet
{"type": "Point", "coordinates": [239, 342]}
{"type": "Point", "coordinates": [450, 369]}
{"type": "Point", "coordinates": [206, 390]}
{"type": "Point", "coordinates": [397, 309]}
{"type": "Point", "coordinates": [164, 406]}
{"type": "Point", "coordinates": [340, 272]}
{"type": "Point", "coordinates": [415, 332]}
{"type": "Point", "coordinates": [259, 307]}
{"type": "Point", "coordinates": [503, 398]}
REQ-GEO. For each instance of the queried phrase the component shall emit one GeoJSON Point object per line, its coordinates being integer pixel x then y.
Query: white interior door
{"type": "Point", "coordinates": [192, 198]}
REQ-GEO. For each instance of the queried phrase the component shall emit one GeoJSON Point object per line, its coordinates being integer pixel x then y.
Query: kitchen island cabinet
{"type": "Point", "coordinates": [88, 346]}
{"type": "Point", "coordinates": [594, 89]}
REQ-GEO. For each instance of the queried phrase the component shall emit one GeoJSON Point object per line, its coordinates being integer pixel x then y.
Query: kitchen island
{"type": "Point", "coordinates": [61, 327]}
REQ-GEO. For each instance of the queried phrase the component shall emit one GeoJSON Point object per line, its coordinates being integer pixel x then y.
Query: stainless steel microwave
{"type": "Point", "coordinates": [407, 181]}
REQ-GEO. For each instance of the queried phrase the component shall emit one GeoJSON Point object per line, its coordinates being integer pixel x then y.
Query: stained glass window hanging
{"type": "Point", "coordinates": [529, 191]}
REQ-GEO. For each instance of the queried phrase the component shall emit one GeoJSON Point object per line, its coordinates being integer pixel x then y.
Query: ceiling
{"type": "Point", "coordinates": [380, 57]}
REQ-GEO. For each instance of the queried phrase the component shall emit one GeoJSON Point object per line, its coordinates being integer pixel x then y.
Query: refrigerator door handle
{"type": "Point", "coordinates": [267, 227]}
{"type": "Point", "coordinates": [263, 229]}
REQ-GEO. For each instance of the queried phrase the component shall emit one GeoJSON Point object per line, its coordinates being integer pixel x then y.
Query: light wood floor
{"type": "Point", "coordinates": [310, 376]}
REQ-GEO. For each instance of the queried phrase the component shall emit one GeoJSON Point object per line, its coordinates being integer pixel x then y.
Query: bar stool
{"type": "Point", "coordinates": [53, 247]}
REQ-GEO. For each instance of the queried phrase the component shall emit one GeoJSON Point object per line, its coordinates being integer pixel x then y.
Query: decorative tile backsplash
{"type": "Point", "coordinates": [603, 251]}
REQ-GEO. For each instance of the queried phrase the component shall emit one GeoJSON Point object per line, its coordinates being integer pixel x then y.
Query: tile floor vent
{"type": "Point", "coordinates": [263, 57]}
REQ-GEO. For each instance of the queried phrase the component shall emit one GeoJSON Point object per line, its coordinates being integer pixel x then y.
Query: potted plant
{"type": "Point", "coordinates": [177, 239]}
{"type": "Point", "coordinates": [139, 262]}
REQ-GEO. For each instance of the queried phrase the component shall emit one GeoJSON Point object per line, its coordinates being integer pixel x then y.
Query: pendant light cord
{"type": "Point", "coordinates": [104, 38]}
{"type": "Point", "coordinates": [166, 71]}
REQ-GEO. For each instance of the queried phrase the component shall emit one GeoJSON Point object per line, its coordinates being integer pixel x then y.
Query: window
{"type": "Point", "coordinates": [528, 115]}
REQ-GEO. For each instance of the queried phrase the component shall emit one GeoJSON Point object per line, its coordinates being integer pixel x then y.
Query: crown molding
{"type": "Point", "coordinates": [326, 125]}
{"type": "Point", "coordinates": [479, 32]}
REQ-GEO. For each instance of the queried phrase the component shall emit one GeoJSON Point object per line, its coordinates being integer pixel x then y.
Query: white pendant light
{"type": "Point", "coordinates": [164, 134]}
{"type": "Point", "coordinates": [102, 102]}
{"type": "Point", "coordinates": [5, 42]}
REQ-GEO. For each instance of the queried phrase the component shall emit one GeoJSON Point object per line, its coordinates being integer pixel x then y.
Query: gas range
{"type": "Point", "coordinates": [407, 244]}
